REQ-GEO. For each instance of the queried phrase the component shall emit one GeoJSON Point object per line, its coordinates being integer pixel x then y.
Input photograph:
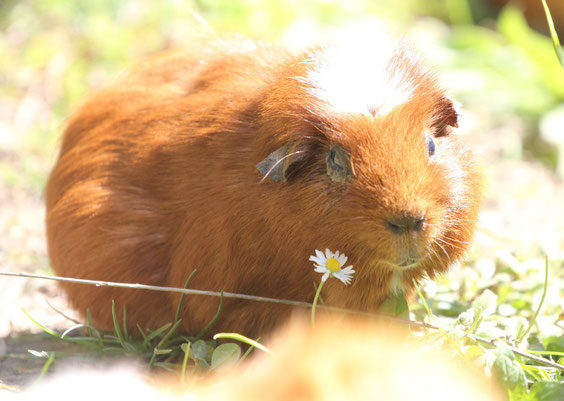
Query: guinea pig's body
{"type": "Point", "coordinates": [158, 176]}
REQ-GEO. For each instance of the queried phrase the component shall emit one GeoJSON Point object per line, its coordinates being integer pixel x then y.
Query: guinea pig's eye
{"type": "Point", "coordinates": [430, 146]}
{"type": "Point", "coordinates": [338, 166]}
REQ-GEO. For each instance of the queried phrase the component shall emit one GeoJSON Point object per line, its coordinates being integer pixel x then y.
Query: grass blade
{"type": "Point", "coordinates": [44, 328]}
{"type": "Point", "coordinates": [555, 41]}
{"type": "Point", "coordinates": [125, 333]}
{"type": "Point", "coordinates": [167, 335]}
{"type": "Point", "coordinates": [425, 304]}
{"type": "Point", "coordinates": [186, 350]}
{"type": "Point", "coordinates": [117, 329]}
{"type": "Point", "coordinates": [534, 318]}
{"type": "Point", "coordinates": [159, 331]}
{"type": "Point", "coordinates": [243, 339]}
{"type": "Point", "coordinates": [177, 316]}
{"type": "Point", "coordinates": [247, 352]}
{"type": "Point", "coordinates": [214, 319]}
{"type": "Point", "coordinates": [46, 367]}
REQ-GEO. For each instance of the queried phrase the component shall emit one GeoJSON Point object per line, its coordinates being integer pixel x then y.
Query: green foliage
{"type": "Point", "coordinates": [546, 391]}
{"type": "Point", "coordinates": [225, 355]}
{"type": "Point", "coordinates": [490, 331]}
{"type": "Point", "coordinates": [161, 347]}
{"type": "Point", "coordinates": [509, 371]}
{"type": "Point", "coordinates": [395, 305]}
{"type": "Point", "coordinates": [538, 48]}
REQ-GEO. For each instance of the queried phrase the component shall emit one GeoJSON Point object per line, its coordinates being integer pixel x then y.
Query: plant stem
{"type": "Point", "coordinates": [243, 339]}
{"type": "Point", "coordinates": [313, 307]}
{"type": "Point", "coordinates": [555, 42]}
{"type": "Point", "coordinates": [186, 350]}
{"type": "Point", "coordinates": [524, 335]}
{"type": "Point", "coordinates": [425, 305]}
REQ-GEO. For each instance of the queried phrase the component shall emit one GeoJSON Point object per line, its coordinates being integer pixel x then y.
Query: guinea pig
{"type": "Point", "coordinates": [240, 159]}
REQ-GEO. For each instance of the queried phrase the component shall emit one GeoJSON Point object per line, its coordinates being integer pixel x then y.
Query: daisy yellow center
{"type": "Point", "coordinates": [333, 265]}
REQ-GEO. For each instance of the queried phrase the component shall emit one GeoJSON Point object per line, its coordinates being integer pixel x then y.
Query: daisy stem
{"type": "Point", "coordinates": [319, 287]}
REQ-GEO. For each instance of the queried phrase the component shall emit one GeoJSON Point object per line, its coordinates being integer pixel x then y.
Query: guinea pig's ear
{"type": "Point", "coordinates": [445, 117]}
{"type": "Point", "coordinates": [276, 164]}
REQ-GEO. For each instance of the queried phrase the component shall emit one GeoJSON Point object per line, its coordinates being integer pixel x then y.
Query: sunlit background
{"type": "Point", "coordinates": [495, 60]}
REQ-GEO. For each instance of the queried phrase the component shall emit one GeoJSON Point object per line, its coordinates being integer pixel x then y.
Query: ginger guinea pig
{"type": "Point", "coordinates": [240, 160]}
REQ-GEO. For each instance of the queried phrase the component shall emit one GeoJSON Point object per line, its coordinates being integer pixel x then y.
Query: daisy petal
{"type": "Point", "coordinates": [340, 278]}
{"type": "Point", "coordinates": [319, 254]}
{"type": "Point", "coordinates": [344, 277]}
{"type": "Point", "coordinates": [316, 260]}
{"type": "Point", "coordinates": [348, 270]}
{"type": "Point", "coordinates": [325, 276]}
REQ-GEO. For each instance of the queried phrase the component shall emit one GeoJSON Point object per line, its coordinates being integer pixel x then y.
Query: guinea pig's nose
{"type": "Point", "coordinates": [404, 223]}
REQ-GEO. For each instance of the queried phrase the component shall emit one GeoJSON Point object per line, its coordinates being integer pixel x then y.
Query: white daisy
{"type": "Point", "coordinates": [331, 265]}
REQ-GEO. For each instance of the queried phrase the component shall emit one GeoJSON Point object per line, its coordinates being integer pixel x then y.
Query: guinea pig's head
{"type": "Point", "coordinates": [363, 147]}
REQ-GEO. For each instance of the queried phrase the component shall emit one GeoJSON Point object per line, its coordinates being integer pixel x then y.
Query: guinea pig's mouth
{"type": "Point", "coordinates": [406, 264]}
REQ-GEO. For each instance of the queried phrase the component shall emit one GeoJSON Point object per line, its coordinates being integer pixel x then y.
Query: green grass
{"type": "Point", "coordinates": [162, 348]}
{"type": "Point", "coordinates": [522, 354]}
{"type": "Point", "coordinates": [522, 376]}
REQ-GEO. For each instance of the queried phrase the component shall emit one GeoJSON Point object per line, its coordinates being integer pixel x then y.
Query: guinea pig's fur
{"type": "Point", "coordinates": [241, 159]}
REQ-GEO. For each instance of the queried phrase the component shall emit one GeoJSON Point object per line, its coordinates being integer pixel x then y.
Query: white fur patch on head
{"type": "Point", "coordinates": [353, 77]}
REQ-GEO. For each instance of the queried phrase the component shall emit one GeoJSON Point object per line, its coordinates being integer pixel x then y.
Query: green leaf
{"type": "Point", "coordinates": [554, 343]}
{"type": "Point", "coordinates": [486, 303]}
{"type": "Point", "coordinates": [547, 391]}
{"type": "Point", "coordinates": [509, 372]}
{"type": "Point", "coordinates": [395, 305]}
{"type": "Point", "coordinates": [225, 354]}
{"type": "Point", "coordinates": [474, 351]}
{"type": "Point", "coordinates": [200, 350]}
{"type": "Point", "coordinates": [466, 318]}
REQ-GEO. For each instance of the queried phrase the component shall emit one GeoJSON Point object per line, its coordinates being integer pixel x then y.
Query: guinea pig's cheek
{"type": "Point", "coordinates": [437, 220]}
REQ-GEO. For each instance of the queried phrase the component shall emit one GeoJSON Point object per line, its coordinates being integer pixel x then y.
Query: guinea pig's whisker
{"type": "Point", "coordinates": [359, 218]}
{"type": "Point", "coordinates": [444, 250]}
{"type": "Point", "coordinates": [446, 241]}
{"type": "Point", "coordinates": [433, 253]}
{"type": "Point", "coordinates": [278, 162]}
{"type": "Point", "coordinates": [451, 240]}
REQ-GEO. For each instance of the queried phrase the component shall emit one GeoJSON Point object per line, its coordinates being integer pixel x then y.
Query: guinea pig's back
{"type": "Point", "coordinates": [132, 162]}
